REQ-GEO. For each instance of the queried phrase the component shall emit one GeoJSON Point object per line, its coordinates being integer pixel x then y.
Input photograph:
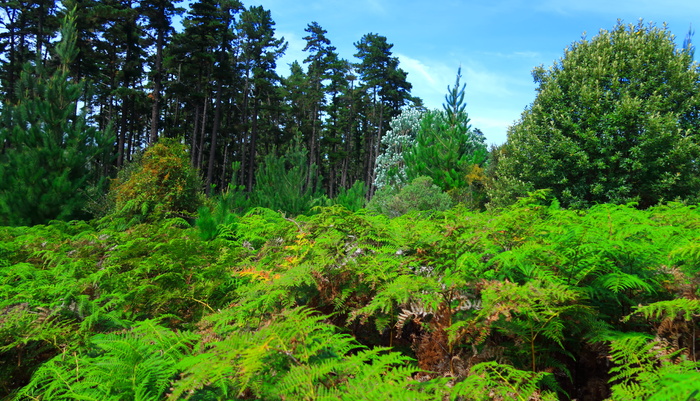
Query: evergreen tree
{"type": "Point", "coordinates": [335, 140]}
{"type": "Point", "coordinates": [260, 51]}
{"type": "Point", "coordinates": [120, 42]}
{"type": "Point", "coordinates": [203, 64]}
{"type": "Point", "coordinates": [281, 181]}
{"type": "Point", "coordinates": [387, 91]}
{"type": "Point", "coordinates": [295, 88]}
{"type": "Point", "coordinates": [447, 149]}
{"type": "Point", "coordinates": [318, 60]}
{"type": "Point", "coordinates": [158, 14]}
{"type": "Point", "coordinates": [27, 30]}
{"type": "Point", "coordinates": [51, 153]}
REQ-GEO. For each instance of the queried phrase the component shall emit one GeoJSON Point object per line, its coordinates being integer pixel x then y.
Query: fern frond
{"type": "Point", "coordinates": [681, 386]}
{"type": "Point", "coordinates": [492, 380]}
{"type": "Point", "coordinates": [680, 307]}
{"type": "Point", "coordinates": [618, 282]}
{"type": "Point", "coordinates": [136, 364]}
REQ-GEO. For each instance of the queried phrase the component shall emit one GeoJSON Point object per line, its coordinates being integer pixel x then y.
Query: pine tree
{"type": "Point", "coordinates": [386, 88]}
{"type": "Point", "coordinates": [446, 148]}
{"type": "Point", "coordinates": [260, 51]}
{"type": "Point", "coordinates": [318, 60]}
{"type": "Point", "coordinates": [158, 14]}
{"type": "Point", "coordinates": [51, 153]}
{"type": "Point", "coordinates": [29, 26]}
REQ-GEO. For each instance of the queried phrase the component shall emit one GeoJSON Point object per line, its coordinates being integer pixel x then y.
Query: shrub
{"type": "Point", "coordinates": [352, 198]}
{"type": "Point", "coordinates": [420, 194]}
{"type": "Point", "coordinates": [160, 185]}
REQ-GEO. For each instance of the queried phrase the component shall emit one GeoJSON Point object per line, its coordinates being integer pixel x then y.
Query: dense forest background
{"type": "Point", "coordinates": [177, 221]}
{"type": "Point", "coordinates": [214, 86]}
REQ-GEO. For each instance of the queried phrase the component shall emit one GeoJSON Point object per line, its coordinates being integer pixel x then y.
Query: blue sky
{"type": "Point", "coordinates": [497, 42]}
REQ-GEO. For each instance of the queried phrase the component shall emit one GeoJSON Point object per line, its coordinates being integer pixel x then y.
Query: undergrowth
{"type": "Point", "coordinates": [533, 302]}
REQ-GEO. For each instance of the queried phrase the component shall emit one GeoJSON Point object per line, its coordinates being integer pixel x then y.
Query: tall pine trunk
{"type": "Point", "coordinates": [214, 133]}
{"type": "Point", "coordinates": [157, 78]}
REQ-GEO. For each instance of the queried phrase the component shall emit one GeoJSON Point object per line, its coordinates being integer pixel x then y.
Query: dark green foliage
{"type": "Point", "coordinates": [282, 182]}
{"type": "Point", "coordinates": [446, 151]}
{"type": "Point", "coordinates": [615, 120]}
{"type": "Point", "coordinates": [220, 216]}
{"type": "Point", "coordinates": [49, 151]}
{"type": "Point", "coordinates": [353, 198]}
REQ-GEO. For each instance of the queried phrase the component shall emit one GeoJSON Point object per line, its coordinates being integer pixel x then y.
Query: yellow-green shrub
{"type": "Point", "coordinates": [162, 184]}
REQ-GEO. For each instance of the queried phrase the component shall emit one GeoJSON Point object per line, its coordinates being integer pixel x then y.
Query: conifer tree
{"type": "Point", "coordinates": [387, 90]}
{"type": "Point", "coordinates": [446, 147]}
{"type": "Point", "coordinates": [28, 27]}
{"type": "Point", "coordinates": [158, 14]}
{"type": "Point", "coordinates": [51, 153]}
{"type": "Point", "coordinates": [260, 51]}
{"type": "Point", "coordinates": [318, 60]}
{"type": "Point", "coordinates": [281, 181]}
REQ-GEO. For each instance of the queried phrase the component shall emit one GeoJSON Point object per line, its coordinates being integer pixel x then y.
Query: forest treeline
{"type": "Point", "coordinates": [213, 85]}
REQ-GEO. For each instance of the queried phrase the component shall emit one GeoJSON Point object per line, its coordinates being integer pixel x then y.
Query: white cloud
{"type": "Point", "coordinates": [428, 77]}
{"type": "Point", "coordinates": [295, 52]}
{"type": "Point", "coordinates": [488, 93]}
{"type": "Point", "coordinates": [481, 81]}
{"type": "Point", "coordinates": [416, 68]}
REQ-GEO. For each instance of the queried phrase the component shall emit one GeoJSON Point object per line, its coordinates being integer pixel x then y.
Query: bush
{"type": "Point", "coordinates": [161, 184]}
{"type": "Point", "coordinates": [352, 198]}
{"type": "Point", "coordinates": [282, 182]}
{"type": "Point", "coordinates": [420, 194]}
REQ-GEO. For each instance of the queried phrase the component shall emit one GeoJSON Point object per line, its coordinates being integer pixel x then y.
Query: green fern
{"type": "Point", "coordinates": [647, 369]}
{"type": "Point", "coordinates": [681, 386]}
{"type": "Point", "coordinates": [495, 381]}
{"type": "Point", "coordinates": [685, 308]}
{"type": "Point", "coordinates": [135, 364]}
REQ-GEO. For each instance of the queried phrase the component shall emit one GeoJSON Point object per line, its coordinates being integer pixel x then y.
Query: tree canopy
{"type": "Point", "coordinates": [615, 120]}
{"type": "Point", "coordinates": [51, 152]}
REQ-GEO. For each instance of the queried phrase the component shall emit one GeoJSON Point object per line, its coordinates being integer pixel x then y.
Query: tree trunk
{"type": "Point", "coordinates": [200, 153]}
{"type": "Point", "coordinates": [193, 149]}
{"type": "Point", "coordinates": [155, 111]}
{"type": "Point", "coordinates": [214, 133]}
{"type": "Point", "coordinates": [253, 144]}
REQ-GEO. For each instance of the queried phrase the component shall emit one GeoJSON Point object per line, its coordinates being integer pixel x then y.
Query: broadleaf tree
{"type": "Point", "coordinates": [615, 120]}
